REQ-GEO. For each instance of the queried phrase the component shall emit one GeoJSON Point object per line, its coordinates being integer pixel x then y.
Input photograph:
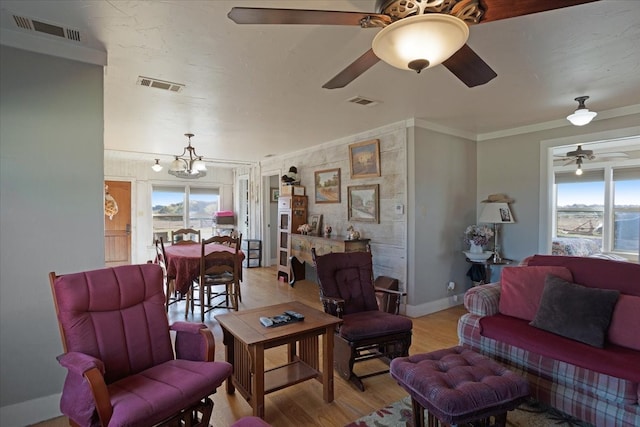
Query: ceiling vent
{"type": "Point", "coordinates": [160, 84]}
{"type": "Point", "coordinates": [40, 27]}
{"type": "Point", "coordinates": [360, 100]}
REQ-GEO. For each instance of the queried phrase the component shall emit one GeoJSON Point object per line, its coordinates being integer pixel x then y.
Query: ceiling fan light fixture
{"type": "Point", "coordinates": [582, 115]}
{"type": "Point", "coordinates": [421, 41]}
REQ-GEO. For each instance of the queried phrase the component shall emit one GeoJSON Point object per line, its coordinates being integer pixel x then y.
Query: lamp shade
{"type": "Point", "coordinates": [496, 213]}
{"type": "Point", "coordinates": [156, 166]}
{"type": "Point", "coordinates": [581, 117]}
{"type": "Point", "coordinates": [409, 42]}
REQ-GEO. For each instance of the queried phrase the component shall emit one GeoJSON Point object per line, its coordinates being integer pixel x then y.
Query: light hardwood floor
{"type": "Point", "coordinates": [302, 404]}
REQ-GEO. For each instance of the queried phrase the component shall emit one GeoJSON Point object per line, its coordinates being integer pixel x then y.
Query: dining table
{"type": "Point", "coordinates": [183, 262]}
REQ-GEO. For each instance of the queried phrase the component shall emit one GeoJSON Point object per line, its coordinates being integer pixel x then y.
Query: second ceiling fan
{"type": "Point", "coordinates": [448, 18]}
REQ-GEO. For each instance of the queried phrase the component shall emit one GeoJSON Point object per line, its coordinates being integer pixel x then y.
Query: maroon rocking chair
{"type": "Point", "coordinates": [347, 291]}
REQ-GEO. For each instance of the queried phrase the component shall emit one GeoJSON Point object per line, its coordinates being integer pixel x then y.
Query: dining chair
{"type": "Point", "coordinates": [123, 368]}
{"type": "Point", "coordinates": [185, 236]}
{"type": "Point", "coordinates": [218, 269]}
{"type": "Point", "coordinates": [347, 291]}
{"type": "Point", "coordinates": [171, 294]}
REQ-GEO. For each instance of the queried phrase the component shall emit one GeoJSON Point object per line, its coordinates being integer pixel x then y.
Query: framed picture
{"type": "Point", "coordinates": [364, 159]}
{"type": "Point", "coordinates": [275, 193]}
{"type": "Point", "coordinates": [363, 203]}
{"type": "Point", "coordinates": [315, 221]}
{"type": "Point", "coordinates": [327, 186]}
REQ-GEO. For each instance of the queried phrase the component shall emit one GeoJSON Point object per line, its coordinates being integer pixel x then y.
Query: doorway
{"type": "Point", "coordinates": [117, 223]}
{"type": "Point", "coordinates": [270, 180]}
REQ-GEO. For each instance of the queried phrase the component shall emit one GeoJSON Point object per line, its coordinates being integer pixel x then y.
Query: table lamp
{"type": "Point", "coordinates": [496, 213]}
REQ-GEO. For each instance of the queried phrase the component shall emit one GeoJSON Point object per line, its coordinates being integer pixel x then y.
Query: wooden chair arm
{"type": "Point", "coordinates": [100, 395]}
{"type": "Point", "coordinates": [209, 345]}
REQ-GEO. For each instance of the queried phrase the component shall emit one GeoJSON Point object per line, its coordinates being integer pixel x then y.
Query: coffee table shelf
{"type": "Point", "coordinates": [286, 375]}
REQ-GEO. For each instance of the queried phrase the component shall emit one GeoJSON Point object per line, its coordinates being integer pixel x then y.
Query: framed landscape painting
{"type": "Point", "coordinates": [275, 193]}
{"type": "Point", "coordinates": [327, 186]}
{"type": "Point", "coordinates": [364, 159]}
{"type": "Point", "coordinates": [363, 203]}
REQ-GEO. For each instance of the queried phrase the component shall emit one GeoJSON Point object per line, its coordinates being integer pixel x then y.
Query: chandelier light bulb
{"type": "Point", "coordinates": [582, 115]}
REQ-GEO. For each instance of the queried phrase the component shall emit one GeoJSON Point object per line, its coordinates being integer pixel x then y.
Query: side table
{"type": "Point", "coordinates": [486, 266]}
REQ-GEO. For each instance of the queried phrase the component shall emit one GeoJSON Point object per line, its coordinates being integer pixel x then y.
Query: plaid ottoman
{"type": "Point", "coordinates": [457, 385]}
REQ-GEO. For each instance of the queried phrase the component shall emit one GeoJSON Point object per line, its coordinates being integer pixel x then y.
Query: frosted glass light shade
{"type": "Point", "coordinates": [581, 117]}
{"type": "Point", "coordinates": [433, 37]}
{"type": "Point", "coordinates": [177, 165]}
{"type": "Point", "coordinates": [199, 165]}
{"type": "Point", "coordinates": [157, 167]}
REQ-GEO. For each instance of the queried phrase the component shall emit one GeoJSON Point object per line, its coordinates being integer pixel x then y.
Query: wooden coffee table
{"type": "Point", "coordinates": [245, 340]}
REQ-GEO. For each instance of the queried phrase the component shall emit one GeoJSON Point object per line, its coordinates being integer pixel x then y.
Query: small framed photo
{"type": "Point", "coordinates": [363, 203]}
{"type": "Point", "coordinates": [327, 186]}
{"type": "Point", "coordinates": [364, 159]}
{"type": "Point", "coordinates": [275, 193]}
{"type": "Point", "coordinates": [315, 221]}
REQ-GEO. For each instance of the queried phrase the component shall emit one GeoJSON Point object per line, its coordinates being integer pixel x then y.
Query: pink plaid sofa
{"type": "Point", "coordinates": [597, 385]}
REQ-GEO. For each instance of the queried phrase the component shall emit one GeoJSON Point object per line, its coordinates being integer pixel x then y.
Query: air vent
{"type": "Point", "coordinates": [360, 100]}
{"type": "Point", "coordinates": [29, 24]}
{"type": "Point", "coordinates": [160, 84]}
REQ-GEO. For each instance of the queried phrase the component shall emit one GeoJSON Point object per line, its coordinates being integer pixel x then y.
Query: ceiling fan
{"type": "Point", "coordinates": [579, 155]}
{"type": "Point", "coordinates": [396, 16]}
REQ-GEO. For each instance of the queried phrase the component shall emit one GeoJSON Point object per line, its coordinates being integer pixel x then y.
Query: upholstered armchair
{"type": "Point", "coordinates": [119, 355]}
{"type": "Point", "coordinates": [347, 291]}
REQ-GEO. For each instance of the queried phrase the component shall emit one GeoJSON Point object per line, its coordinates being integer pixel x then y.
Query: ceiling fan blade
{"type": "Point", "coordinates": [353, 70]}
{"type": "Point", "coordinates": [257, 15]}
{"type": "Point", "coordinates": [466, 65]}
{"type": "Point", "coordinates": [569, 162]}
{"type": "Point", "coordinates": [503, 9]}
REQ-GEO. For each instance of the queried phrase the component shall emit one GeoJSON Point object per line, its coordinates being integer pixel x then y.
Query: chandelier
{"type": "Point", "coordinates": [191, 167]}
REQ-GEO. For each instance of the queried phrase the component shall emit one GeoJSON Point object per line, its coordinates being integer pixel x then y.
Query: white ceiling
{"type": "Point", "coordinates": [255, 90]}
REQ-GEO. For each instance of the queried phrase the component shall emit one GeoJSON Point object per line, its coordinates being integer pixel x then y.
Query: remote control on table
{"type": "Point", "coordinates": [266, 322]}
{"type": "Point", "coordinates": [295, 315]}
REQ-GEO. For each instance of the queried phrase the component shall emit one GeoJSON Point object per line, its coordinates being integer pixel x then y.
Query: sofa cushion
{"type": "Point", "coordinates": [521, 289]}
{"type": "Point", "coordinates": [575, 311]}
{"type": "Point", "coordinates": [596, 272]}
{"type": "Point", "coordinates": [626, 313]}
{"type": "Point", "coordinates": [613, 360]}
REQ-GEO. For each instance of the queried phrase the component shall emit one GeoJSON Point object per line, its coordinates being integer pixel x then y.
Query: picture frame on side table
{"type": "Point", "coordinates": [364, 159]}
{"type": "Point", "coordinates": [363, 203]}
{"type": "Point", "coordinates": [327, 186]}
{"type": "Point", "coordinates": [275, 193]}
{"type": "Point", "coordinates": [315, 221]}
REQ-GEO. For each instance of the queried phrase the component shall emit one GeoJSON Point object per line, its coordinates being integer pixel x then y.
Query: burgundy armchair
{"type": "Point", "coordinates": [347, 291]}
{"type": "Point", "coordinates": [119, 355]}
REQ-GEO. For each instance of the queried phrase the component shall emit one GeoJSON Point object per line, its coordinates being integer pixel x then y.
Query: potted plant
{"type": "Point", "coordinates": [477, 236]}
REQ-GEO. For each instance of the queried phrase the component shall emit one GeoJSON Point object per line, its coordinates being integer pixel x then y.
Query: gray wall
{"type": "Point", "coordinates": [51, 215]}
{"type": "Point", "coordinates": [441, 204]}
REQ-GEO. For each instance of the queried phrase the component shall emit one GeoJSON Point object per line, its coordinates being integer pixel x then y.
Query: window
{"type": "Point", "coordinates": [603, 205]}
{"type": "Point", "coordinates": [175, 207]}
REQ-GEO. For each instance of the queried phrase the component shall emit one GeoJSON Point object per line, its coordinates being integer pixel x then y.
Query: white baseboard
{"type": "Point", "coordinates": [30, 411]}
{"type": "Point", "coordinates": [434, 306]}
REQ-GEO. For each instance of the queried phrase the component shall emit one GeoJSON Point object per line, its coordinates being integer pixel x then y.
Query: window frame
{"type": "Point", "coordinates": [186, 188]}
{"type": "Point", "coordinates": [628, 138]}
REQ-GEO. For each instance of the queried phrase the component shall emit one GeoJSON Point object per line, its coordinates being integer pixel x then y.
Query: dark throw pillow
{"type": "Point", "coordinates": [574, 311]}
